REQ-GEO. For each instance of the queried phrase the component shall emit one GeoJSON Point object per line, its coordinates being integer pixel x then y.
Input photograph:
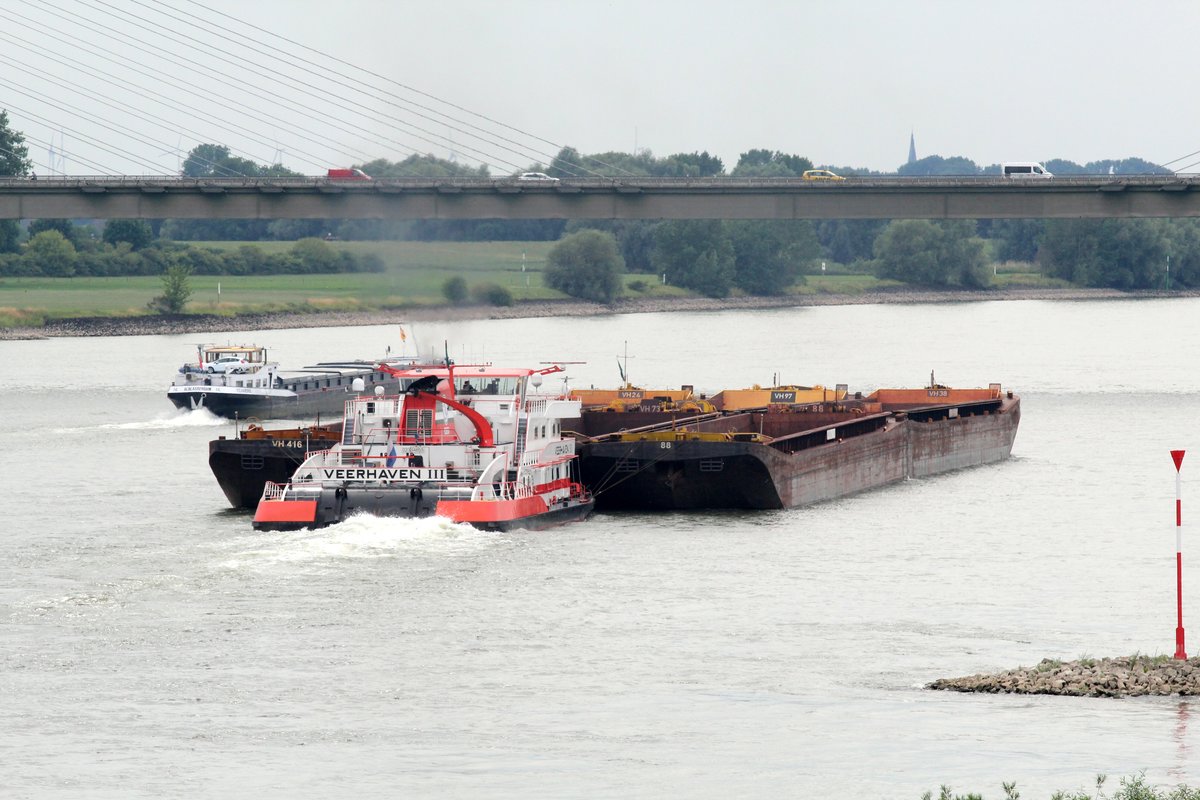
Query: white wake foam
{"type": "Point", "coordinates": [196, 418]}
{"type": "Point", "coordinates": [170, 420]}
{"type": "Point", "coordinates": [361, 536]}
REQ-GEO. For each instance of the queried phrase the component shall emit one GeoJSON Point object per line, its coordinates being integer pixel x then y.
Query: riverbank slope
{"type": "Point", "coordinates": [211, 323]}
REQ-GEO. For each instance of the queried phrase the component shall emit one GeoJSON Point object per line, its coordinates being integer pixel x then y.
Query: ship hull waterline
{"type": "Point", "coordinates": [247, 405]}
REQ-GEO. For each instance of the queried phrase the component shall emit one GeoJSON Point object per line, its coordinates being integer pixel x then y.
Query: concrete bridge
{"type": "Point", "coordinates": [599, 198]}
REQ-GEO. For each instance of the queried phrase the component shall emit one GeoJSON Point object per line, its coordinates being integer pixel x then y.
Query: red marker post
{"type": "Point", "coordinates": [1180, 652]}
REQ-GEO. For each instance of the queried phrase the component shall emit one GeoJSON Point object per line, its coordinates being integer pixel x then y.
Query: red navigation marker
{"type": "Point", "coordinates": [1180, 651]}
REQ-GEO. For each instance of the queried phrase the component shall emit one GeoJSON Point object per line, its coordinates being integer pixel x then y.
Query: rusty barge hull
{"type": "Point", "coordinates": [802, 459]}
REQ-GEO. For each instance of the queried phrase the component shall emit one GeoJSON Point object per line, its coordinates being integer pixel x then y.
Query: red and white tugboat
{"type": "Point", "coordinates": [474, 444]}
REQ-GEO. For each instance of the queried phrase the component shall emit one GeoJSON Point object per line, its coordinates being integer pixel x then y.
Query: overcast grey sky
{"type": "Point", "coordinates": [843, 83]}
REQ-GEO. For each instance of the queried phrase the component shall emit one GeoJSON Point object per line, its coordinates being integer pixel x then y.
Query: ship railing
{"type": "Point", "coordinates": [348, 457]}
{"type": "Point", "coordinates": [322, 458]}
{"type": "Point", "coordinates": [316, 459]}
{"type": "Point", "coordinates": [353, 457]}
{"type": "Point", "coordinates": [274, 491]}
{"type": "Point", "coordinates": [440, 433]}
{"type": "Point", "coordinates": [503, 490]}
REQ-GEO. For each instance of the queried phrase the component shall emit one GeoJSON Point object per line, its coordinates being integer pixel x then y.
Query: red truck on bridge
{"type": "Point", "coordinates": [348, 175]}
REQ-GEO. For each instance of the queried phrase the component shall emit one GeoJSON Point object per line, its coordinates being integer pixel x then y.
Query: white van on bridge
{"type": "Point", "coordinates": [1025, 169]}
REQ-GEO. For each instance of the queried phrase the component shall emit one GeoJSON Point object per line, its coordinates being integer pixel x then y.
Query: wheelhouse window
{"type": "Point", "coordinates": [484, 385]}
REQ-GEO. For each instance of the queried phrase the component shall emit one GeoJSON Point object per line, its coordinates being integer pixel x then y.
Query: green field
{"type": "Point", "coordinates": [415, 272]}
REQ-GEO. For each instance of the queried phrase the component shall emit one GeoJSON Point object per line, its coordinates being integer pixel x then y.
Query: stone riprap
{"type": "Point", "coordinates": [1089, 677]}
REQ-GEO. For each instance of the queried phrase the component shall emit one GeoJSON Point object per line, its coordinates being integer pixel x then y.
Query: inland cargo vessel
{"type": "Point", "coordinates": [798, 447]}
{"type": "Point", "coordinates": [240, 381]}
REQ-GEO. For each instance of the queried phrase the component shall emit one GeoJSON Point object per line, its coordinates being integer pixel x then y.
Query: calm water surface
{"type": "Point", "coordinates": [155, 646]}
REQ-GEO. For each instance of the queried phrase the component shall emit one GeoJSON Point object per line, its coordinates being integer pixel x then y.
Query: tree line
{"type": "Point", "coordinates": [58, 248]}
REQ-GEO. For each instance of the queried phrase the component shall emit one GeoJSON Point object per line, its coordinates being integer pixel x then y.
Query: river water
{"type": "Point", "coordinates": [155, 646]}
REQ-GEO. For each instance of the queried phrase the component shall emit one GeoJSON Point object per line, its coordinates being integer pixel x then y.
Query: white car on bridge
{"type": "Point", "coordinates": [536, 177]}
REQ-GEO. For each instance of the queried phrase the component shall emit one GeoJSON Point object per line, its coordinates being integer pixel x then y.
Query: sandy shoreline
{"type": "Point", "coordinates": [199, 323]}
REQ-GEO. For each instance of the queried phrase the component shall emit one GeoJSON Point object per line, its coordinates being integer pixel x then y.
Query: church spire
{"type": "Point", "coordinates": [912, 148]}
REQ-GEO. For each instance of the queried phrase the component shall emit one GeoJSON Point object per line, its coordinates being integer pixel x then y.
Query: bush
{"type": "Point", "coordinates": [586, 265]}
{"type": "Point", "coordinates": [492, 294]}
{"type": "Point", "coordinates": [455, 289]}
{"type": "Point", "coordinates": [52, 254]}
{"type": "Point", "coordinates": [12, 265]}
{"type": "Point", "coordinates": [315, 256]}
{"type": "Point", "coordinates": [134, 231]}
{"type": "Point", "coordinates": [176, 290]}
{"type": "Point", "coordinates": [695, 254]}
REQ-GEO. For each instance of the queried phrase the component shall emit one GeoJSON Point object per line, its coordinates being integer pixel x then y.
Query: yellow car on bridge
{"type": "Point", "coordinates": [821, 175]}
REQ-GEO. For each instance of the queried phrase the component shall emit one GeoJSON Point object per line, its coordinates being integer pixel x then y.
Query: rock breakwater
{"type": "Point", "coordinates": [1128, 676]}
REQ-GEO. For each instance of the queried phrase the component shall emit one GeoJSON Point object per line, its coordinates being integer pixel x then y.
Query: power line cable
{"type": "Point", "coordinates": [104, 100]}
{"type": "Point", "coordinates": [248, 112]}
{"type": "Point", "coordinates": [225, 77]}
{"type": "Point", "coordinates": [301, 88]}
{"type": "Point", "coordinates": [394, 82]}
{"type": "Point", "coordinates": [50, 168]}
{"type": "Point", "coordinates": [231, 105]}
{"type": "Point", "coordinates": [325, 74]}
{"type": "Point", "coordinates": [25, 157]}
{"type": "Point", "coordinates": [307, 109]}
{"type": "Point", "coordinates": [151, 95]}
{"type": "Point", "coordinates": [77, 112]}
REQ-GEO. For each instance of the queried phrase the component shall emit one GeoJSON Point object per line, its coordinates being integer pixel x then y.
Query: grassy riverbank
{"type": "Point", "coordinates": [1132, 787]}
{"type": "Point", "coordinates": [411, 287]}
{"type": "Point", "coordinates": [413, 276]}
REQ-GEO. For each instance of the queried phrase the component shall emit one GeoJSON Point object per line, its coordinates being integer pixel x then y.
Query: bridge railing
{"type": "Point", "coordinates": [167, 182]}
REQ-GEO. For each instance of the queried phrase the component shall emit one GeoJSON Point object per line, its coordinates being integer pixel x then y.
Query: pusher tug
{"type": "Point", "coordinates": [475, 444]}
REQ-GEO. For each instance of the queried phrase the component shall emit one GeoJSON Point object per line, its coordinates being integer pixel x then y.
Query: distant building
{"type": "Point", "coordinates": [912, 148]}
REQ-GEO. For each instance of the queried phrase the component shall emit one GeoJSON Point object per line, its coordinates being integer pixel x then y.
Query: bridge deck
{"type": "Point", "coordinates": [600, 198]}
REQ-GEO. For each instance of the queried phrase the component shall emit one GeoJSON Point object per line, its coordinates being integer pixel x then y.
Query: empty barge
{"type": "Point", "coordinates": [792, 452]}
